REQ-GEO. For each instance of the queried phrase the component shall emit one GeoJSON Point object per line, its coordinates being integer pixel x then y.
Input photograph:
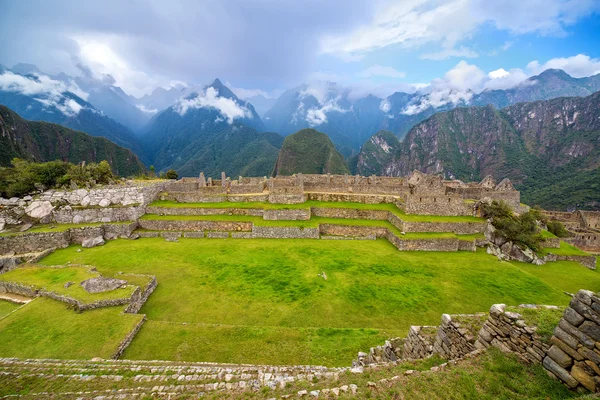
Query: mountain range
{"type": "Point", "coordinates": [549, 149]}
{"type": "Point", "coordinates": [44, 141]}
{"type": "Point", "coordinates": [191, 128]}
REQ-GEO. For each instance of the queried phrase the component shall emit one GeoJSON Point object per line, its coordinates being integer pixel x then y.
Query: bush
{"type": "Point", "coordinates": [27, 177]}
{"type": "Point", "coordinates": [171, 174]}
{"type": "Point", "coordinates": [522, 229]}
{"type": "Point", "coordinates": [557, 229]}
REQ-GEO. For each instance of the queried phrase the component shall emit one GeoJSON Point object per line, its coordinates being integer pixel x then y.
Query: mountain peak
{"type": "Point", "coordinates": [222, 89]}
{"type": "Point", "coordinates": [25, 69]}
{"type": "Point", "coordinates": [552, 72]}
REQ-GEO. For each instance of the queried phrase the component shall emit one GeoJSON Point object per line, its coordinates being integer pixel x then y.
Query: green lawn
{"type": "Point", "coordinates": [566, 249]}
{"type": "Point", "coordinates": [321, 204]}
{"type": "Point", "coordinates": [45, 328]}
{"type": "Point", "coordinates": [265, 294]}
{"type": "Point", "coordinates": [54, 279]}
{"type": "Point", "coordinates": [6, 307]}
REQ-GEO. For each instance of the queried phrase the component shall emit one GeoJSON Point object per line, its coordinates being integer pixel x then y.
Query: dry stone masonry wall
{"type": "Point", "coordinates": [574, 357]}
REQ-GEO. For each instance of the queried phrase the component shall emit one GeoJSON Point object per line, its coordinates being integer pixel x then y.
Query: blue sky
{"type": "Point", "coordinates": [266, 46]}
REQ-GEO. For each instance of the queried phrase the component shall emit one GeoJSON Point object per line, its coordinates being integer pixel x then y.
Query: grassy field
{"type": "Point", "coordinates": [262, 301]}
{"type": "Point", "coordinates": [46, 328]}
{"type": "Point", "coordinates": [54, 279]}
{"type": "Point", "coordinates": [6, 307]}
{"type": "Point", "coordinates": [322, 204]}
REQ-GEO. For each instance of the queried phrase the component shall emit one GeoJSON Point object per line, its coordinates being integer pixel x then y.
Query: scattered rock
{"type": "Point", "coordinates": [66, 285]}
{"type": "Point", "coordinates": [171, 239]}
{"type": "Point", "coordinates": [92, 242]}
{"type": "Point", "coordinates": [101, 284]}
{"type": "Point", "coordinates": [39, 209]}
{"type": "Point", "coordinates": [25, 227]}
{"type": "Point", "coordinates": [134, 236]}
{"type": "Point", "coordinates": [79, 250]}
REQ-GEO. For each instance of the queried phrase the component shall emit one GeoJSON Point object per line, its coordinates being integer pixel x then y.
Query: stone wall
{"type": "Point", "coordinates": [79, 215]}
{"type": "Point", "coordinates": [419, 342]}
{"type": "Point", "coordinates": [352, 198]}
{"type": "Point", "coordinates": [352, 231]}
{"type": "Point", "coordinates": [437, 205]}
{"type": "Point", "coordinates": [587, 241]}
{"type": "Point", "coordinates": [586, 261]}
{"type": "Point", "coordinates": [287, 198]}
{"type": "Point", "coordinates": [348, 213]}
{"type": "Point", "coordinates": [510, 333]}
{"type": "Point", "coordinates": [132, 193]}
{"type": "Point", "coordinates": [574, 357]}
{"type": "Point", "coordinates": [457, 334]}
{"type": "Point", "coordinates": [461, 228]}
{"type": "Point", "coordinates": [439, 244]}
{"type": "Point", "coordinates": [297, 214]}
{"type": "Point", "coordinates": [284, 232]}
{"type": "Point", "coordinates": [256, 212]}
{"type": "Point", "coordinates": [138, 299]}
{"type": "Point", "coordinates": [29, 242]}
{"type": "Point", "coordinates": [128, 339]}
{"type": "Point", "coordinates": [193, 225]}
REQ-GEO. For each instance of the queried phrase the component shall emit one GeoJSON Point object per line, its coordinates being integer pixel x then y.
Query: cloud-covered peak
{"type": "Point", "coordinates": [229, 108]}
{"type": "Point", "coordinates": [45, 90]}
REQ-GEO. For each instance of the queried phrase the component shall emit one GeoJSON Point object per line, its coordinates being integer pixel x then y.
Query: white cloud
{"type": "Point", "coordinates": [46, 91]}
{"type": "Point", "coordinates": [450, 52]}
{"type": "Point", "coordinates": [146, 110]}
{"type": "Point", "coordinates": [577, 66]}
{"type": "Point", "coordinates": [385, 106]}
{"type": "Point", "coordinates": [499, 73]}
{"type": "Point", "coordinates": [503, 79]}
{"type": "Point", "coordinates": [228, 108]}
{"type": "Point", "coordinates": [381, 70]}
{"type": "Point", "coordinates": [318, 116]}
{"type": "Point", "coordinates": [412, 23]}
{"type": "Point", "coordinates": [97, 54]}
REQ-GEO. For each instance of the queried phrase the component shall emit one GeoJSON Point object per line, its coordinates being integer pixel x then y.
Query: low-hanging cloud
{"type": "Point", "coordinates": [210, 98]}
{"type": "Point", "coordinates": [45, 90]}
{"type": "Point", "coordinates": [317, 116]}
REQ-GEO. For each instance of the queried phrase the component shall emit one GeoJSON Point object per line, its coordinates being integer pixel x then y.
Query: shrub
{"type": "Point", "coordinates": [26, 177]}
{"type": "Point", "coordinates": [520, 229]}
{"type": "Point", "coordinates": [171, 174]}
{"type": "Point", "coordinates": [557, 229]}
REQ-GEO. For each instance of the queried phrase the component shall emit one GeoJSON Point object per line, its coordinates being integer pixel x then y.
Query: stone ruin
{"type": "Point", "coordinates": [101, 284]}
{"type": "Point", "coordinates": [418, 193]}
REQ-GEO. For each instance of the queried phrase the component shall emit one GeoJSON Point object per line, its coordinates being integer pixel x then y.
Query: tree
{"type": "Point", "coordinates": [171, 174]}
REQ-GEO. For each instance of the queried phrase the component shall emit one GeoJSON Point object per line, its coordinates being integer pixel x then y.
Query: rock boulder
{"type": "Point", "coordinates": [92, 242]}
{"type": "Point", "coordinates": [39, 209]}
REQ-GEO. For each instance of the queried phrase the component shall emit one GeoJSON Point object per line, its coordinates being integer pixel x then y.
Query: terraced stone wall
{"type": "Point", "coordinates": [284, 232]}
{"type": "Point", "coordinates": [28, 242]}
{"type": "Point", "coordinates": [352, 231]}
{"type": "Point", "coordinates": [423, 204]}
{"type": "Point", "coordinates": [349, 213]}
{"type": "Point", "coordinates": [586, 261]}
{"type": "Point", "coordinates": [574, 357]}
{"type": "Point", "coordinates": [457, 334]}
{"type": "Point", "coordinates": [256, 212]}
{"type": "Point", "coordinates": [510, 333]}
{"type": "Point", "coordinates": [297, 214]}
{"type": "Point", "coordinates": [460, 228]}
{"type": "Point", "coordinates": [79, 215]}
{"type": "Point", "coordinates": [353, 198]}
{"type": "Point", "coordinates": [191, 225]}
{"type": "Point", "coordinates": [438, 244]}
{"type": "Point", "coordinates": [419, 342]}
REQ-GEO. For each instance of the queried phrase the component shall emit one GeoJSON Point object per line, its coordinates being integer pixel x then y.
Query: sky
{"type": "Point", "coordinates": [268, 46]}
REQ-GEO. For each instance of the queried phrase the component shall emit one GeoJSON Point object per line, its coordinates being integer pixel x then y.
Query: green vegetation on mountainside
{"type": "Point", "coordinates": [264, 291]}
{"type": "Point", "coordinates": [43, 141]}
{"type": "Point", "coordinates": [549, 149]}
{"type": "Point", "coordinates": [309, 152]}
{"type": "Point", "coordinates": [376, 153]}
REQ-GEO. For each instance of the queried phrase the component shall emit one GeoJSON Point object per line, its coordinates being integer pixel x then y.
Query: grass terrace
{"type": "Point", "coordinates": [44, 228]}
{"type": "Point", "coordinates": [46, 328]}
{"type": "Point", "coordinates": [323, 204]}
{"type": "Point", "coordinates": [6, 307]}
{"type": "Point", "coordinates": [53, 279]}
{"type": "Point", "coordinates": [566, 249]}
{"type": "Point", "coordinates": [262, 301]}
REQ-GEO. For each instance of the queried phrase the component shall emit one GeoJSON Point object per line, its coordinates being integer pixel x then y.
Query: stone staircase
{"type": "Point", "coordinates": [49, 378]}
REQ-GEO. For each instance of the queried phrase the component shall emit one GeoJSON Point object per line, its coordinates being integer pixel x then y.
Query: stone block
{"type": "Point", "coordinates": [567, 349]}
{"type": "Point", "coordinates": [566, 338]}
{"type": "Point", "coordinates": [578, 372]}
{"type": "Point", "coordinates": [92, 242]}
{"type": "Point", "coordinates": [573, 317]}
{"type": "Point", "coordinates": [561, 358]}
{"type": "Point", "coordinates": [218, 235]}
{"type": "Point", "coordinates": [581, 337]}
{"type": "Point", "coordinates": [591, 329]}
{"type": "Point", "coordinates": [560, 372]}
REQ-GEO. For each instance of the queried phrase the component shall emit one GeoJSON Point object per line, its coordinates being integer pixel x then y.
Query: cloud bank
{"type": "Point", "coordinates": [45, 90]}
{"type": "Point", "coordinates": [210, 98]}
